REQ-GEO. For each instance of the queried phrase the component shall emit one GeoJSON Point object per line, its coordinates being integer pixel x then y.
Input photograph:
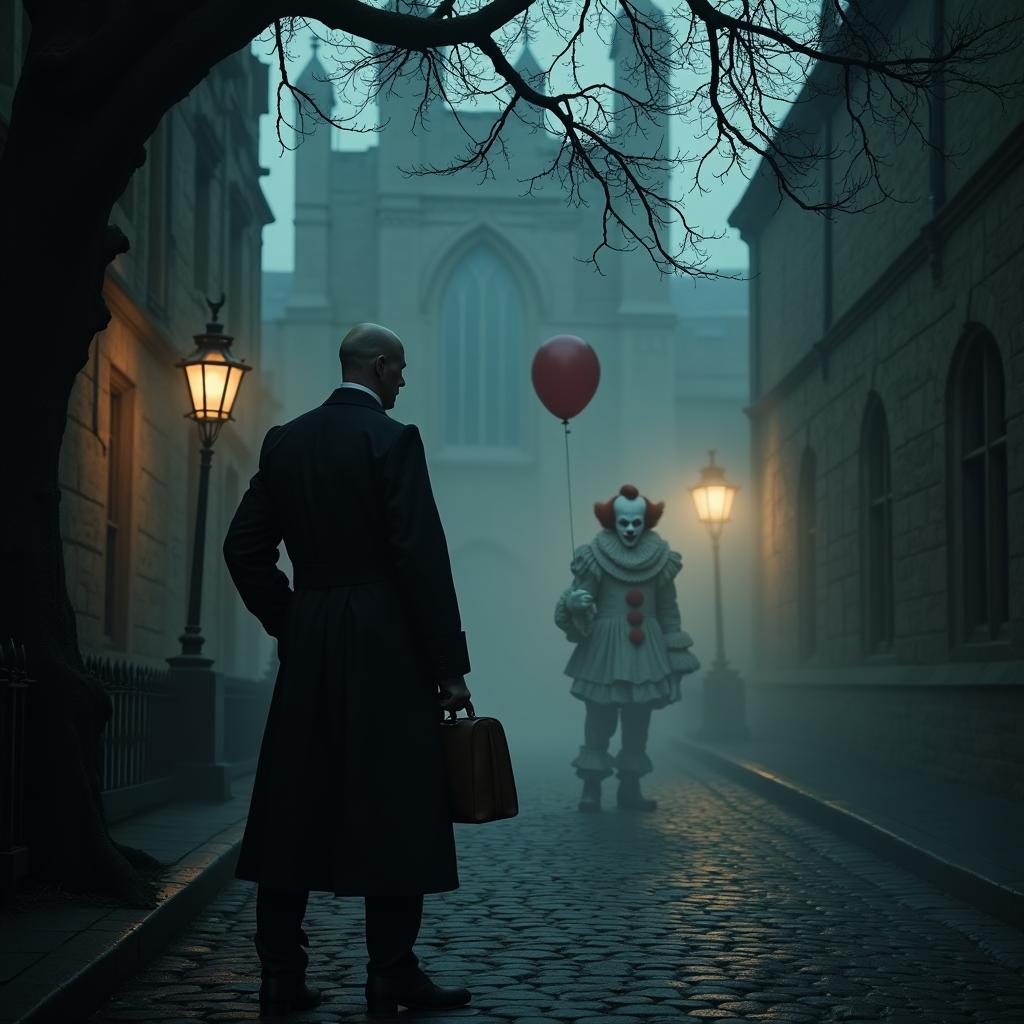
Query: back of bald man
{"type": "Point", "coordinates": [373, 357]}
{"type": "Point", "coordinates": [363, 344]}
{"type": "Point", "coordinates": [368, 628]}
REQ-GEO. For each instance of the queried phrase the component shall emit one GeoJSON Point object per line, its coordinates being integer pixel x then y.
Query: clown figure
{"type": "Point", "coordinates": [631, 651]}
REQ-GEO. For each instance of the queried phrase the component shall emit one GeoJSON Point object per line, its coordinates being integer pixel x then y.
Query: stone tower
{"type": "Point", "coordinates": [310, 296]}
{"type": "Point", "coordinates": [647, 349]}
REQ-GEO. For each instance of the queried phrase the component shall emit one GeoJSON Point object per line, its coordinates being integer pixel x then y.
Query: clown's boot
{"type": "Point", "coordinates": [590, 800]}
{"type": "Point", "coordinates": [630, 798]}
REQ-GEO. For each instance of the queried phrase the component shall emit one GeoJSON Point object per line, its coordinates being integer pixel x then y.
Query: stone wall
{"type": "Point", "coordinates": [908, 282]}
{"type": "Point", "coordinates": [967, 732]}
{"type": "Point", "coordinates": [153, 321]}
{"type": "Point", "coordinates": [902, 350]}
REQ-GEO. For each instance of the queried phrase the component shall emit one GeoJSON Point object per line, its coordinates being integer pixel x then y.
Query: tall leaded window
{"type": "Point", "coordinates": [807, 535]}
{"type": "Point", "coordinates": [482, 335]}
{"type": "Point", "coordinates": [979, 546]}
{"type": "Point", "coordinates": [876, 537]}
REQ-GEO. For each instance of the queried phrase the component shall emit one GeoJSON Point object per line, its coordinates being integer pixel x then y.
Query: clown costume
{"type": "Point", "coordinates": [631, 651]}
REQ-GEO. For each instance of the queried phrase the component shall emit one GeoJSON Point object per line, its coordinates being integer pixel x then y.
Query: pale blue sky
{"type": "Point", "coordinates": [712, 209]}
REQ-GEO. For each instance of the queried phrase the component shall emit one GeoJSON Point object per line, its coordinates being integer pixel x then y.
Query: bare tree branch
{"type": "Point", "coordinates": [731, 69]}
{"type": "Point", "coordinates": [409, 31]}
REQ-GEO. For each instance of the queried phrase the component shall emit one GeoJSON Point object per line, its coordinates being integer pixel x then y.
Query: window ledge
{"type": "Point", "coordinates": [497, 457]}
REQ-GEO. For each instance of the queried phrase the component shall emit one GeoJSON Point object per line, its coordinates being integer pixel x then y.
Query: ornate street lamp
{"type": "Point", "coordinates": [724, 698]}
{"type": "Point", "coordinates": [213, 377]}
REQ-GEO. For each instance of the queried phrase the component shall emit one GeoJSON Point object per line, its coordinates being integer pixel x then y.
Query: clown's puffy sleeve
{"type": "Point", "coordinates": [677, 639]}
{"type": "Point", "coordinates": [586, 575]}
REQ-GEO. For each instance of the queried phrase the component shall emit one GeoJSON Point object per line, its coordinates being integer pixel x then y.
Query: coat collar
{"type": "Point", "coordinates": [353, 396]}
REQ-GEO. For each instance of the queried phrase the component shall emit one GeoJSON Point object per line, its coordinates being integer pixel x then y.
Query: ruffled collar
{"type": "Point", "coordinates": [635, 564]}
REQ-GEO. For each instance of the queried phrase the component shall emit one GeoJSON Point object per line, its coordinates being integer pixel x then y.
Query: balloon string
{"type": "Point", "coordinates": [568, 484]}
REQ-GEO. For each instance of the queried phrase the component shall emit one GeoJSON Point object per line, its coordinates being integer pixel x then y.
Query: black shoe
{"type": "Point", "coordinates": [413, 990]}
{"type": "Point", "coordinates": [590, 801]}
{"type": "Point", "coordinates": [281, 996]}
{"type": "Point", "coordinates": [630, 798]}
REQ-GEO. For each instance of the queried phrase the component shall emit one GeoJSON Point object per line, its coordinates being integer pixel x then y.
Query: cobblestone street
{"type": "Point", "coordinates": [719, 906]}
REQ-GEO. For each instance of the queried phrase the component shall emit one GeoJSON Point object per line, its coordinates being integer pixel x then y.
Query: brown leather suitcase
{"type": "Point", "coordinates": [481, 785]}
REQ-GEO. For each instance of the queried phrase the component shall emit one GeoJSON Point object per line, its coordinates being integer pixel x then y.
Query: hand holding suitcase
{"type": "Point", "coordinates": [481, 784]}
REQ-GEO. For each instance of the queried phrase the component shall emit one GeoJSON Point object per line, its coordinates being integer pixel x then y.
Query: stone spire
{"type": "Point", "coordinates": [643, 291]}
{"type": "Point", "coordinates": [401, 97]}
{"type": "Point", "coordinates": [529, 67]}
{"type": "Point", "coordinates": [310, 285]}
{"type": "Point", "coordinates": [622, 39]}
{"type": "Point", "coordinates": [313, 81]}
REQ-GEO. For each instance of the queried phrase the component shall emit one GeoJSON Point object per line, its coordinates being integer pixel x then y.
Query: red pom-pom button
{"type": "Point", "coordinates": [635, 598]}
{"type": "Point", "coordinates": [634, 618]}
{"type": "Point", "coordinates": [636, 636]}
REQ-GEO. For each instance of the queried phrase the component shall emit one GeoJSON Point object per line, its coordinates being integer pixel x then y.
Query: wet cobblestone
{"type": "Point", "coordinates": [719, 907]}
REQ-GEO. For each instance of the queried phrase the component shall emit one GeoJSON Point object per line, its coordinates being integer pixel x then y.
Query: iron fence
{"type": "Point", "coordinates": [137, 742]}
{"type": "Point", "coordinates": [140, 756]}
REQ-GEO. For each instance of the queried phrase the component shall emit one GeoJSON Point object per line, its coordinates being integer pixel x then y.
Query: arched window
{"type": "Point", "coordinates": [482, 335]}
{"type": "Point", "coordinates": [807, 530]}
{"type": "Point", "coordinates": [876, 534]}
{"type": "Point", "coordinates": [977, 435]}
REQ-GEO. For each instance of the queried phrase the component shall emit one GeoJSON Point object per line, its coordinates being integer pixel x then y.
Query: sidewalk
{"type": "Point", "coordinates": [967, 842]}
{"type": "Point", "coordinates": [59, 958]}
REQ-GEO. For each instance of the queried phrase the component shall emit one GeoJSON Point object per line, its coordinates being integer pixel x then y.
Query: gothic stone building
{"type": "Point", "coordinates": [474, 276]}
{"type": "Point", "coordinates": [129, 462]}
{"type": "Point", "coordinates": [887, 416]}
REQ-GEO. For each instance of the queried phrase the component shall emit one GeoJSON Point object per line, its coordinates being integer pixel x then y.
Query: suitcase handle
{"type": "Point", "coordinates": [470, 712]}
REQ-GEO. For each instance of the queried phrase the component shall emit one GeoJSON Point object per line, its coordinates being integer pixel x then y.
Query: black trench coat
{"type": "Point", "coordinates": [350, 794]}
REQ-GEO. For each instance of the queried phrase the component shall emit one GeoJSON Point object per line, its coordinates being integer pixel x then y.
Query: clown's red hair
{"type": "Point", "coordinates": [605, 510]}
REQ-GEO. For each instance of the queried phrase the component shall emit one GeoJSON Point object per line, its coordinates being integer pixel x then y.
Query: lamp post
{"type": "Point", "coordinates": [213, 378]}
{"type": "Point", "coordinates": [723, 695]}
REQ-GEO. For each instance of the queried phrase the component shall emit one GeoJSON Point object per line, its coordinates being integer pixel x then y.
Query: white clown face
{"type": "Point", "coordinates": [629, 519]}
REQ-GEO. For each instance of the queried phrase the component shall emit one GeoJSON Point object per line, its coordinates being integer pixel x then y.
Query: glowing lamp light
{"type": "Point", "coordinates": [213, 377]}
{"type": "Point", "coordinates": [713, 496]}
{"type": "Point", "coordinates": [724, 694]}
{"type": "Point", "coordinates": [213, 381]}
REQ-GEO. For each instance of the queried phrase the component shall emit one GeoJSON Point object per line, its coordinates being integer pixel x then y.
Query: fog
{"type": "Point", "coordinates": [507, 525]}
{"type": "Point", "coordinates": [467, 264]}
{"type": "Point", "coordinates": [849, 369]}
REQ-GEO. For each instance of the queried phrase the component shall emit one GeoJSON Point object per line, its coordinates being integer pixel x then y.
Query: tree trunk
{"type": "Point", "coordinates": [90, 94]}
{"type": "Point", "coordinates": [55, 197]}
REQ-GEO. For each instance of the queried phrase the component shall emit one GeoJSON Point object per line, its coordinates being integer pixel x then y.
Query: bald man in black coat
{"type": "Point", "coordinates": [350, 794]}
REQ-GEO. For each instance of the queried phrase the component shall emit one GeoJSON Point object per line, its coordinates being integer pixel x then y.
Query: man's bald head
{"type": "Point", "coordinates": [374, 357]}
{"type": "Point", "coordinates": [363, 344]}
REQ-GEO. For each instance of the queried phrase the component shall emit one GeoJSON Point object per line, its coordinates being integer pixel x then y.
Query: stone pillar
{"type": "Point", "coordinates": [198, 691]}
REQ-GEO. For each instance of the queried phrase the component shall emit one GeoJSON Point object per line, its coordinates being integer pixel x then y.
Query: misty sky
{"type": "Point", "coordinates": [712, 209]}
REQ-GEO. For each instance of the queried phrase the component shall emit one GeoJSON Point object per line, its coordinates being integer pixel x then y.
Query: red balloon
{"type": "Point", "coordinates": [565, 375]}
